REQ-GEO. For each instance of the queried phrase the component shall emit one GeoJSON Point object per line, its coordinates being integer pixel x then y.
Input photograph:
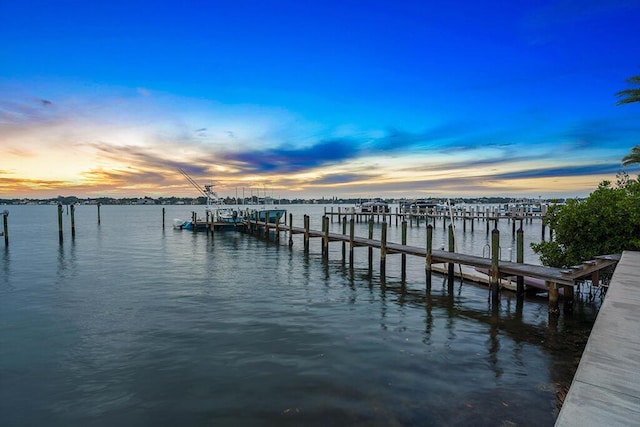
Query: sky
{"type": "Point", "coordinates": [315, 99]}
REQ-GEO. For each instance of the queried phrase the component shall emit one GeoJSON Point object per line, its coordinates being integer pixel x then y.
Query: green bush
{"type": "Point", "coordinates": [607, 222]}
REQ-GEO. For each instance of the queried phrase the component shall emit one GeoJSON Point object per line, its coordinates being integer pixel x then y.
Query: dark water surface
{"type": "Point", "coordinates": [135, 325]}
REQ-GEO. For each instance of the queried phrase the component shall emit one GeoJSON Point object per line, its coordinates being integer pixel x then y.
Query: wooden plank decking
{"type": "Point", "coordinates": [606, 388]}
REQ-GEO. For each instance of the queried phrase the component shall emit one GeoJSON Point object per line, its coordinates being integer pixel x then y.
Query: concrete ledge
{"type": "Point", "coordinates": [606, 387]}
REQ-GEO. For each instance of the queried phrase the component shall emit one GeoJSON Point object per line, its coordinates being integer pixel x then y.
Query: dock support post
{"type": "Point", "coordinates": [383, 252]}
{"type": "Point", "coordinates": [495, 254]}
{"type": "Point", "coordinates": [520, 260]}
{"type": "Point", "coordinates": [370, 248]}
{"type": "Point", "coordinates": [553, 298]}
{"type": "Point", "coordinates": [351, 242]}
{"type": "Point", "coordinates": [73, 221]}
{"type": "Point", "coordinates": [332, 215]}
{"type": "Point", "coordinates": [290, 229]}
{"type": "Point", "coordinates": [404, 256]}
{"type": "Point", "coordinates": [266, 225]}
{"type": "Point", "coordinates": [306, 233]}
{"type": "Point", "coordinates": [5, 227]}
{"type": "Point", "coordinates": [344, 244]}
{"type": "Point", "coordinates": [60, 222]}
{"type": "Point", "coordinates": [450, 266]}
{"type": "Point", "coordinates": [568, 299]}
{"type": "Point", "coordinates": [278, 228]}
{"type": "Point", "coordinates": [428, 258]}
{"type": "Point", "coordinates": [325, 238]}
{"type": "Point", "coordinates": [163, 215]}
{"type": "Point", "coordinates": [99, 204]}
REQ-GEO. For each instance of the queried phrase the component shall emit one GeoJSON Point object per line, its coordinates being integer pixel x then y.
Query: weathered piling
{"type": "Point", "coordinates": [383, 251]}
{"type": "Point", "coordinates": [344, 243]}
{"type": "Point", "coordinates": [277, 236]}
{"type": "Point", "coordinates": [99, 204]}
{"type": "Point", "coordinates": [266, 228]}
{"type": "Point", "coordinates": [351, 241]}
{"type": "Point", "coordinates": [325, 237]}
{"type": "Point", "coordinates": [428, 256]}
{"type": "Point", "coordinates": [5, 227]}
{"type": "Point", "coordinates": [73, 221]}
{"type": "Point", "coordinates": [404, 256]}
{"type": "Point", "coordinates": [306, 233]}
{"type": "Point", "coordinates": [450, 266]}
{"type": "Point", "coordinates": [163, 216]}
{"type": "Point", "coordinates": [290, 230]}
{"type": "Point", "coordinates": [553, 297]}
{"type": "Point", "coordinates": [370, 255]}
{"type": "Point", "coordinates": [495, 255]}
{"type": "Point", "coordinates": [520, 260]}
{"type": "Point", "coordinates": [60, 222]}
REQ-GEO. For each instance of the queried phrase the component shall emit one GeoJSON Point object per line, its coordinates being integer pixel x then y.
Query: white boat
{"type": "Point", "coordinates": [373, 206]}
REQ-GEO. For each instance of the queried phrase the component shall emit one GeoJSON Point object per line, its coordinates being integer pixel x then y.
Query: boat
{"type": "Point", "coordinates": [273, 215]}
{"type": "Point", "coordinates": [373, 206]}
{"type": "Point", "coordinates": [221, 216]}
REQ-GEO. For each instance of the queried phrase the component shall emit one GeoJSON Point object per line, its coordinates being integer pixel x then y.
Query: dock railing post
{"type": "Point", "coordinates": [383, 252]}
{"type": "Point", "coordinates": [520, 260]}
{"type": "Point", "coordinates": [428, 257]}
{"type": "Point", "coordinates": [495, 254]}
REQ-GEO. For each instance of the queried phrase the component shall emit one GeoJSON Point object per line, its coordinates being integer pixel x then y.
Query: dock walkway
{"type": "Point", "coordinates": [606, 388]}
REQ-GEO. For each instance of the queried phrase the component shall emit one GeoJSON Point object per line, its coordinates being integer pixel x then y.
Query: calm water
{"type": "Point", "coordinates": [129, 323]}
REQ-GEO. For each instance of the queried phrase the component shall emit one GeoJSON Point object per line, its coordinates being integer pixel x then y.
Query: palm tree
{"type": "Point", "coordinates": [630, 95]}
{"type": "Point", "coordinates": [633, 157]}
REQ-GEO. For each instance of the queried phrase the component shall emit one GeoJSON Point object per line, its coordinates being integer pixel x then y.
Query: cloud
{"type": "Point", "coordinates": [564, 171]}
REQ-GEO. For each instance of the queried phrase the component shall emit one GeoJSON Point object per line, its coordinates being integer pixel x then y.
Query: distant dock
{"type": "Point", "coordinates": [606, 387]}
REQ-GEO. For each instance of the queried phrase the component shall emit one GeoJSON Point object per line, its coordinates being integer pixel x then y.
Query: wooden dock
{"type": "Point", "coordinates": [606, 387]}
{"type": "Point", "coordinates": [553, 277]}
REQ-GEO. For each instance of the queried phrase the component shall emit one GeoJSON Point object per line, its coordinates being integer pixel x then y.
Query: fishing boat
{"type": "Point", "coordinates": [221, 216]}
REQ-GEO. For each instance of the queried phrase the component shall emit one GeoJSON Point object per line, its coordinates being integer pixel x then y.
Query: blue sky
{"type": "Point", "coordinates": [312, 99]}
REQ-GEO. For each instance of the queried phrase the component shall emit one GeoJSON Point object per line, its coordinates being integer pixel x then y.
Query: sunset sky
{"type": "Point", "coordinates": [311, 99]}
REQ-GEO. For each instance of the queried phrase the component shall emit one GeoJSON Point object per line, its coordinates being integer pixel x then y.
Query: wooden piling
{"type": "Point", "coordinates": [553, 297]}
{"type": "Point", "coordinates": [370, 248]}
{"type": "Point", "coordinates": [520, 260]}
{"type": "Point", "coordinates": [567, 305]}
{"type": "Point", "coordinates": [428, 257]}
{"type": "Point", "coordinates": [344, 244]}
{"type": "Point", "coordinates": [277, 236]}
{"type": "Point", "coordinates": [5, 227]}
{"type": "Point", "coordinates": [404, 256]}
{"type": "Point", "coordinates": [290, 230]}
{"type": "Point", "coordinates": [351, 241]}
{"type": "Point", "coordinates": [266, 228]}
{"type": "Point", "coordinates": [99, 204]}
{"type": "Point", "coordinates": [495, 255]}
{"type": "Point", "coordinates": [306, 233]}
{"type": "Point", "coordinates": [60, 222]}
{"type": "Point", "coordinates": [383, 251]}
{"type": "Point", "coordinates": [73, 221]}
{"type": "Point", "coordinates": [163, 216]}
{"type": "Point", "coordinates": [325, 238]}
{"type": "Point", "coordinates": [450, 266]}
